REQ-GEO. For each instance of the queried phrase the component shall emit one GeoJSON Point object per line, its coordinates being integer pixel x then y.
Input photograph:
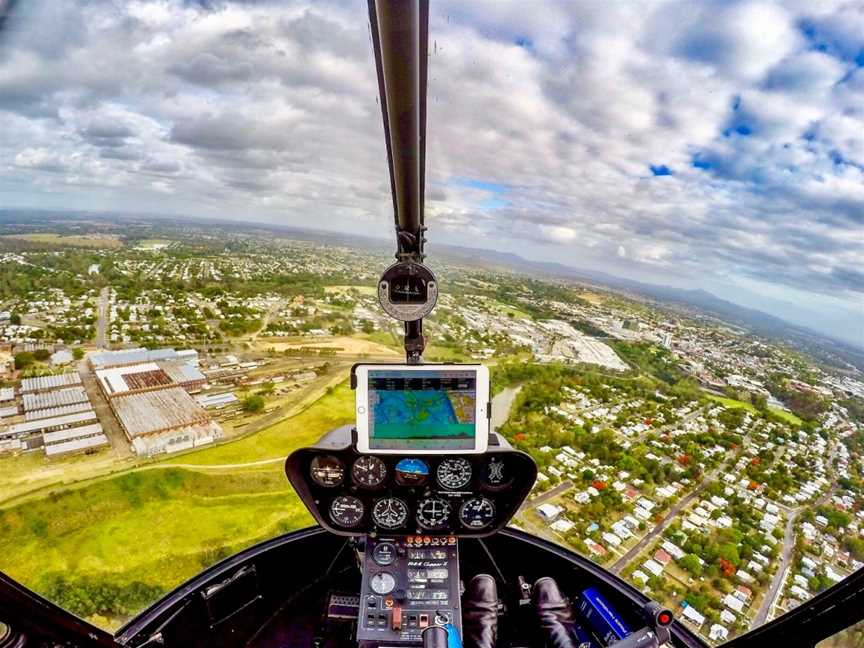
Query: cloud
{"type": "Point", "coordinates": [710, 142]}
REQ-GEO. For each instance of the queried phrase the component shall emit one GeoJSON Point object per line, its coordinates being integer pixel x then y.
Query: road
{"type": "Point", "coordinates": [102, 319]}
{"type": "Point", "coordinates": [780, 575]}
{"type": "Point", "coordinates": [552, 493]}
{"type": "Point", "coordinates": [773, 593]}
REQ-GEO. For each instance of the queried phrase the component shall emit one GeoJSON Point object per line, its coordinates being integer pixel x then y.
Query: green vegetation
{"type": "Point", "coordinates": [732, 403]}
{"type": "Point", "coordinates": [330, 411]}
{"type": "Point", "coordinates": [253, 403]}
{"type": "Point", "coordinates": [153, 526]}
{"type": "Point", "coordinates": [111, 545]}
{"type": "Point", "coordinates": [650, 359]}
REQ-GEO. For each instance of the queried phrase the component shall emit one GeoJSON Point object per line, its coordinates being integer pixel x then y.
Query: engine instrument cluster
{"type": "Point", "coordinates": [354, 494]}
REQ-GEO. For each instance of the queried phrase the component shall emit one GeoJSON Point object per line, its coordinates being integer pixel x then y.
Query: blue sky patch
{"type": "Point", "coordinates": [660, 170]}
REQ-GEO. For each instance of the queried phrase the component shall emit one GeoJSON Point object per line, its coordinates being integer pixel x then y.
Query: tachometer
{"type": "Point", "coordinates": [346, 511]}
{"type": "Point", "coordinates": [433, 512]}
{"type": "Point", "coordinates": [454, 473]}
{"type": "Point", "coordinates": [477, 513]}
{"type": "Point", "coordinates": [390, 513]}
{"type": "Point", "coordinates": [327, 471]}
{"type": "Point", "coordinates": [368, 472]}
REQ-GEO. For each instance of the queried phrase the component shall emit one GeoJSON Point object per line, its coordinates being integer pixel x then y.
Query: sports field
{"type": "Point", "coordinates": [732, 403]}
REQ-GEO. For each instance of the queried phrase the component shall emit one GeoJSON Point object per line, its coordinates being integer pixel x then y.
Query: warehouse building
{"type": "Point", "coordinates": [57, 398]}
{"type": "Point", "coordinates": [149, 376]}
{"type": "Point", "coordinates": [50, 412]}
{"type": "Point", "coordinates": [128, 357]}
{"type": "Point", "coordinates": [49, 383]}
{"type": "Point", "coordinates": [164, 420]}
{"type": "Point", "coordinates": [78, 439]}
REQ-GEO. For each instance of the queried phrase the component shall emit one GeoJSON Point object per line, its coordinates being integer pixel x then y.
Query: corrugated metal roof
{"type": "Point", "coordinates": [57, 398]}
{"type": "Point", "coordinates": [150, 412]}
{"type": "Point", "coordinates": [75, 445]}
{"type": "Point", "coordinates": [182, 372]}
{"type": "Point", "coordinates": [105, 359]}
{"type": "Point", "coordinates": [214, 400]}
{"type": "Point", "coordinates": [6, 394]}
{"type": "Point", "coordinates": [6, 412]}
{"type": "Point", "coordinates": [72, 433]}
{"type": "Point", "coordinates": [30, 427]}
{"type": "Point", "coordinates": [43, 383]}
{"type": "Point", "coordinates": [35, 415]}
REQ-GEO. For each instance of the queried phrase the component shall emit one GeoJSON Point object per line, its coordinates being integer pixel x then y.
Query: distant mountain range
{"type": "Point", "coordinates": [838, 353]}
{"type": "Point", "coordinates": [834, 352]}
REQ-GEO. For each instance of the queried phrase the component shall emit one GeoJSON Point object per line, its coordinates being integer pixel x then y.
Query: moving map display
{"type": "Point", "coordinates": [422, 409]}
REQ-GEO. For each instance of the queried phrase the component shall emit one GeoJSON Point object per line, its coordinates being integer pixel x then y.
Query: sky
{"type": "Point", "coordinates": [715, 145]}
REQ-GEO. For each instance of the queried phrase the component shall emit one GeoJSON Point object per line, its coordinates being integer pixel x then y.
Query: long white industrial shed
{"type": "Point", "coordinates": [47, 383]}
{"type": "Point", "coordinates": [61, 436]}
{"type": "Point", "coordinates": [47, 425]}
{"type": "Point", "coordinates": [51, 412]}
{"type": "Point", "coordinates": [58, 398]}
{"type": "Point", "coordinates": [7, 394]}
{"type": "Point", "coordinates": [76, 444]}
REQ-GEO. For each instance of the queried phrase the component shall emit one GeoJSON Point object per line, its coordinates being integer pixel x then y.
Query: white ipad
{"type": "Point", "coordinates": [422, 409]}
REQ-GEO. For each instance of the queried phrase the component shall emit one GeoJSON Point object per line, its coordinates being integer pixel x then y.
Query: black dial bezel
{"type": "Point", "coordinates": [452, 460]}
{"type": "Point", "coordinates": [466, 503]}
{"type": "Point", "coordinates": [335, 520]}
{"type": "Point", "coordinates": [379, 462]}
{"type": "Point", "coordinates": [389, 527]}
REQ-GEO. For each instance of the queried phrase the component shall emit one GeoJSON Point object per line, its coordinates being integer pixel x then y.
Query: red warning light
{"type": "Point", "coordinates": [664, 618]}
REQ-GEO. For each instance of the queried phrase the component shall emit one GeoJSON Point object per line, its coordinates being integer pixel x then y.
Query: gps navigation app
{"type": "Point", "coordinates": [422, 409]}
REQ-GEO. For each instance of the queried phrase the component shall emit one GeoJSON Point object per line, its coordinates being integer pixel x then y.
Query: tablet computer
{"type": "Point", "coordinates": [422, 409]}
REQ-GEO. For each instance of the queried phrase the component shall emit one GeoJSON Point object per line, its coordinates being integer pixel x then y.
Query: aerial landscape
{"type": "Point", "coordinates": [155, 370]}
{"type": "Point", "coordinates": [639, 225]}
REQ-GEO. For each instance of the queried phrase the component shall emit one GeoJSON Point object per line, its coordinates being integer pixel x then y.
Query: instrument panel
{"type": "Point", "coordinates": [353, 494]}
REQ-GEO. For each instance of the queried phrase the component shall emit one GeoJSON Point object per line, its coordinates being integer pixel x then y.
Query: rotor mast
{"type": "Point", "coordinates": [400, 35]}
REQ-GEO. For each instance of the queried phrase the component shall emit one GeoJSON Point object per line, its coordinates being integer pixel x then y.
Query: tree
{"type": "Point", "coordinates": [253, 403]}
{"type": "Point", "coordinates": [15, 319]}
{"type": "Point", "coordinates": [690, 562]}
{"type": "Point", "coordinates": [77, 353]}
{"type": "Point", "coordinates": [42, 354]}
{"type": "Point", "coordinates": [24, 359]}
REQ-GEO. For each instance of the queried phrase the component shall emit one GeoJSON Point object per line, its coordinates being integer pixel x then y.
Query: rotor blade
{"type": "Point", "coordinates": [400, 35]}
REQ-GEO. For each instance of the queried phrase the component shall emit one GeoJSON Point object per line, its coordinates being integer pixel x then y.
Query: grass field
{"type": "Point", "coordinates": [330, 411]}
{"type": "Point", "coordinates": [88, 241]}
{"type": "Point", "coordinates": [732, 403]}
{"type": "Point", "coordinates": [369, 291]}
{"type": "Point", "coordinates": [161, 524]}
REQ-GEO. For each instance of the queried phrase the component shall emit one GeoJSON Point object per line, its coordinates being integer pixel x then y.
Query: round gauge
{"type": "Point", "coordinates": [382, 583]}
{"type": "Point", "coordinates": [412, 472]}
{"type": "Point", "coordinates": [433, 512]}
{"type": "Point", "coordinates": [495, 474]}
{"type": "Point", "coordinates": [384, 553]}
{"type": "Point", "coordinates": [477, 513]}
{"type": "Point", "coordinates": [390, 513]}
{"type": "Point", "coordinates": [346, 511]}
{"type": "Point", "coordinates": [327, 471]}
{"type": "Point", "coordinates": [368, 472]}
{"type": "Point", "coordinates": [454, 473]}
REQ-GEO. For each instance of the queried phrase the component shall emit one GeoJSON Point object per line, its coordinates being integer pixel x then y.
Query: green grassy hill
{"type": "Point", "coordinates": [143, 532]}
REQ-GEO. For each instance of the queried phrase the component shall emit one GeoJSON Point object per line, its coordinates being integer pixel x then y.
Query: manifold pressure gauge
{"type": "Point", "coordinates": [407, 291]}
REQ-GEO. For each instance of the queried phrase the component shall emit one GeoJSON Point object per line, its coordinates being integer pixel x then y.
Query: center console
{"type": "Point", "coordinates": [410, 583]}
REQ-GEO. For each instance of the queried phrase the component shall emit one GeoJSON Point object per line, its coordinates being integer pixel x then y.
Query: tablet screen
{"type": "Point", "coordinates": [422, 410]}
